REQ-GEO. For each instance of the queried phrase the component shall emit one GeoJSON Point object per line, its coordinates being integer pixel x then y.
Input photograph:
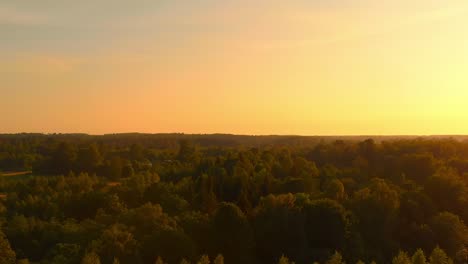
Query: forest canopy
{"type": "Point", "coordinates": [175, 198]}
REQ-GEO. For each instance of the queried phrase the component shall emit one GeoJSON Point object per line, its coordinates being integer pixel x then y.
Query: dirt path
{"type": "Point", "coordinates": [16, 173]}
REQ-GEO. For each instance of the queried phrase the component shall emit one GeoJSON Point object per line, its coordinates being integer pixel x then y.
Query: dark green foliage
{"type": "Point", "coordinates": [438, 256]}
{"type": "Point", "coordinates": [187, 151]}
{"type": "Point", "coordinates": [117, 242]}
{"type": "Point", "coordinates": [91, 258]}
{"type": "Point", "coordinates": [418, 257]}
{"type": "Point", "coordinates": [335, 259]}
{"type": "Point", "coordinates": [172, 245]}
{"type": "Point", "coordinates": [450, 232]}
{"type": "Point", "coordinates": [64, 254]}
{"type": "Point", "coordinates": [327, 226]}
{"type": "Point", "coordinates": [401, 258]}
{"type": "Point", "coordinates": [232, 234]}
{"type": "Point", "coordinates": [137, 198]}
{"type": "Point", "coordinates": [89, 158]}
{"type": "Point", "coordinates": [7, 255]}
{"type": "Point", "coordinates": [377, 207]}
{"type": "Point", "coordinates": [279, 227]}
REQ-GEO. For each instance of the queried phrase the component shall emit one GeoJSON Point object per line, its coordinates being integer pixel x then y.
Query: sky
{"type": "Point", "coordinates": [303, 67]}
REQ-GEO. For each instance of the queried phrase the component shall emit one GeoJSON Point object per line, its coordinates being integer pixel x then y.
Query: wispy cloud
{"type": "Point", "coordinates": [357, 24]}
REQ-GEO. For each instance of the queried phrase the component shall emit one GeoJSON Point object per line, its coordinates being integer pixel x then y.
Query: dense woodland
{"type": "Point", "coordinates": [136, 198]}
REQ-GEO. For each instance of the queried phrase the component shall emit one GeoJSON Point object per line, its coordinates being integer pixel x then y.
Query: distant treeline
{"type": "Point", "coordinates": [19, 151]}
{"type": "Point", "coordinates": [174, 198]}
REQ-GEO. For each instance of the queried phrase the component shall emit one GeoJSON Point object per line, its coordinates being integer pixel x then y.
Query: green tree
{"type": "Point", "coordinates": [279, 229]}
{"type": "Point", "coordinates": [309, 174]}
{"type": "Point", "coordinates": [219, 259]}
{"type": "Point", "coordinates": [233, 235]}
{"type": "Point", "coordinates": [327, 225]}
{"type": "Point", "coordinates": [284, 260]}
{"type": "Point", "coordinates": [184, 261]}
{"type": "Point", "coordinates": [204, 260]}
{"type": "Point", "coordinates": [449, 191]}
{"type": "Point", "coordinates": [335, 259]}
{"type": "Point", "coordinates": [64, 254]}
{"type": "Point", "coordinates": [438, 256]}
{"type": "Point", "coordinates": [187, 152]}
{"type": "Point", "coordinates": [377, 207]}
{"type": "Point", "coordinates": [165, 195]}
{"type": "Point", "coordinates": [63, 158]}
{"type": "Point", "coordinates": [7, 255]}
{"type": "Point", "coordinates": [89, 158]}
{"type": "Point", "coordinates": [91, 258]}
{"type": "Point", "coordinates": [197, 225]}
{"type": "Point", "coordinates": [170, 244]}
{"type": "Point", "coordinates": [206, 197]}
{"type": "Point", "coordinates": [147, 220]}
{"type": "Point", "coordinates": [159, 261]}
{"type": "Point", "coordinates": [462, 256]}
{"type": "Point", "coordinates": [401, 258]}
{"type": "Point", "coordinates": [115, 168]}
{"type": "Point", "coordinates": [451, 233]}
{"type": "Point", "coordinates": [117, 242]}
{"type": "Point", "coordinates": [419, 257]}
{"type": "Point", "coordinates": [137, 152]}
{"type": "Point", "coordinates": [335, 190]}
{"type": "Point", "coordinates": [419, 166]}
{"type": "Point", "coordinates": [127, 170]}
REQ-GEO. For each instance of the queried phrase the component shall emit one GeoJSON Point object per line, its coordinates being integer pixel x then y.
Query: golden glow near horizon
{"type": "Point", "coordinates": [247, 67]}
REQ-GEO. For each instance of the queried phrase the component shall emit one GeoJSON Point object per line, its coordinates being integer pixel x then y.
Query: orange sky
{"type": "Point", "coordinates": [245, 67]}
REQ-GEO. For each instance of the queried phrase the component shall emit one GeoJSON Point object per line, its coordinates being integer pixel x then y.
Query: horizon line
{"type": "Point", "coordinates": [233, 134]}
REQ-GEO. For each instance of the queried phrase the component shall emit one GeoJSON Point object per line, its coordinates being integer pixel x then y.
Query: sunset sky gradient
{"type": "Point", "coordinates": [308, 67]}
